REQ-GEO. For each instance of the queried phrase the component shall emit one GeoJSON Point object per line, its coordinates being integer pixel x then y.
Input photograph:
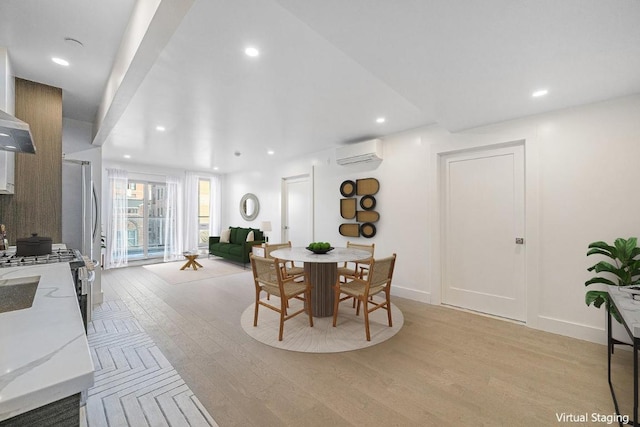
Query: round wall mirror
{"type": "Point", "coordinates": [249, 207]}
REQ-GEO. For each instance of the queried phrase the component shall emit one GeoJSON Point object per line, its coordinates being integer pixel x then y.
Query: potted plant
{"type": "Point", "coordinates": [625, 268]}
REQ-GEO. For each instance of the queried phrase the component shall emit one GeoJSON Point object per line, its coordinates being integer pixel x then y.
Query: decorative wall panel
{"type": "Point", "coordinates": [365, 190]}
{"type": "Point", "coordinates": [36, 206]}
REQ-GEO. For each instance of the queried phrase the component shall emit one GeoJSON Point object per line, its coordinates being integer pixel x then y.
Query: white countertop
{"type": "Point", "coordinates": [628, 308]}
{"type": "Point", "coordinates": [44, 353]}
{"type": "Point", "coordinates": [335, 255]}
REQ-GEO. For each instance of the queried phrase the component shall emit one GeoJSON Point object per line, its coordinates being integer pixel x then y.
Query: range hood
{"type": "Point", "coordinates": [15, 135]}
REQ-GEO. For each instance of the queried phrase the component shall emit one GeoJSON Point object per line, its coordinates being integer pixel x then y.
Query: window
{"type": "Point", "coordinates": [204, 197]}
{"type": "Point", "coordinates": [146, 206]}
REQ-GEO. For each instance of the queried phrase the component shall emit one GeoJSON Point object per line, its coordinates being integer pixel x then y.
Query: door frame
{"type": "Point", "coordinates": [465, 143]}
{"type": "Point", "coordinates": [283, 202]}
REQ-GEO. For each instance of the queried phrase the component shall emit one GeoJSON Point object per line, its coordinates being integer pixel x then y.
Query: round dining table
{"type": "Point", "coordinates": [322, 270]}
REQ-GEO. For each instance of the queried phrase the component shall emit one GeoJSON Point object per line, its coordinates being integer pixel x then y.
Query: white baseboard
{"type": "Point", "coordinates": [412, 294]}
{"type": "Point", "coordinates": [572, 329]}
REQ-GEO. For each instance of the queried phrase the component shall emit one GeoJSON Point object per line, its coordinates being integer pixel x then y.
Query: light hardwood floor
{"type": "Point", "coordinates": [445, 367]}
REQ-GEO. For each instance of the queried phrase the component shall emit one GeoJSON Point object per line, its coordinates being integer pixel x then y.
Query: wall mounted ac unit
{"type": "Point", "coordinates": [361, 152]}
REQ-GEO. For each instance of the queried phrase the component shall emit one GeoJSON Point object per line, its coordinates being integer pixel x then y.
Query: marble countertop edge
{"type": "Point", "coordinates": [51, 357]}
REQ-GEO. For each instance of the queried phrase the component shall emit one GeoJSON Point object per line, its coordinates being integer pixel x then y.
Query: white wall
{"type": "Point", "coordinates": [582, 166]}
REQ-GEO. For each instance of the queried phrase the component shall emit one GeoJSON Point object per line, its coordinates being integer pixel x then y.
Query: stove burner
{"type": "Point", "coordinates": [60, 255]}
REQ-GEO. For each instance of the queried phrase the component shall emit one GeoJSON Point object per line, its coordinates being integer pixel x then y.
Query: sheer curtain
{"type": "Point", "coordinates": [191, 211]}
{"type": "Point", "coordinates": [173, 236]}
{"type": "Point", "coordinates": [116, 253]}
{"type": "Point", "coordinates": [214, 206]}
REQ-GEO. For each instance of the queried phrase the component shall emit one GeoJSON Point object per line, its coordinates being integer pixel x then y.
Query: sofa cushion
{"type": "Point", "coordinates": [241, 235]}
{"type": "Point", "coordinates": [235, 250]}
{"type": "Point", "coordinates": [225, 235]}
{"type": "Point", "coordinates": [221, 247]}
{"type": "Point", "coordinates": [257, 234]}
{"type": "Point", "coordinates": [250, 236]}
{"type": "Point", "coordinates": [233, 234]}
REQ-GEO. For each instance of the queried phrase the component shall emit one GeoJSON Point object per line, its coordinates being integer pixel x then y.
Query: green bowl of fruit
{"type": "Point", "coordinates": [320, 247]}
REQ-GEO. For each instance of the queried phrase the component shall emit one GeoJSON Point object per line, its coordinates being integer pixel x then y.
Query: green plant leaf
{"type": "Point", "coordinates": [597, 298]}
{"type": "Point", "coordinates": [611, 250]}
{"type": "Point", "coordinates": [598, 251]}
{"type": "Point", "coordinates": [625, 249]}
{"type": "Point", "coordinates": [599, 280]}
{"type": "Point", "coordinates": [607, 267]}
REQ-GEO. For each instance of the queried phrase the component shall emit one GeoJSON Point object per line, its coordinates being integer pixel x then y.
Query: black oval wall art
{"type": "Point", "coordinates": [368, 230]}
{"type": "Point", "coordinates": [348, 188]}
{"type": "Point", "coordinates": [368, 203]}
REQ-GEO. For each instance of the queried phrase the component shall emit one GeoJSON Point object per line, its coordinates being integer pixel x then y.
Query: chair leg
{"type": "Point", "coordinates": [255, 314]}
{"type": "Point", "coordinates": [358, 306]}
{"type": "Point", "coordinates": [307, 302]}
{"type": "Point", "coordinates": [389, 306]}
{"type": "Point", "coordinates": [336, 301]}
{"type": "Point", "coordinates": [283, 311]}
{"type": "Point", "coordinates": [366, 318]}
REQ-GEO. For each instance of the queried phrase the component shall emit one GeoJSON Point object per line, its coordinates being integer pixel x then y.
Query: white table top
{"type": "Point", "coordinates": [628, 308]}
{"type": "Point", "coordinates": [335, 255]}
{"type": "Point", "coordinates": [44, 353]}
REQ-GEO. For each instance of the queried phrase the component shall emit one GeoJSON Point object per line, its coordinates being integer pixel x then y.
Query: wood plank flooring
{"type": "Point", "coordinates": [445, 367]}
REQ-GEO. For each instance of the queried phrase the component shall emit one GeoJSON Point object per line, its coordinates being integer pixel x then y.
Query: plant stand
{"type": "Point", "coordinates": [628, 318]}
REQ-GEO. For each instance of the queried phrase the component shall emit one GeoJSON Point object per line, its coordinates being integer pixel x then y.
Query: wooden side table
{"type": "Point", "coordinates": [191, 261]}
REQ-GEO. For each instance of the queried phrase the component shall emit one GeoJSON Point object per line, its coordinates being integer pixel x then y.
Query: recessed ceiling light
{"type": "Point", "coordinates": [252, 52]}
{"type": "Point", "coordinates": [127, 156]}
{"type": "Point", "coordinates": [215, 168]}
{"type": "Point", "coordinates": [381, 120]}
{"type": "Point", "coordinates": [271, 152]}
{"type": "Point", "coordinates": [160, 128]}
{"type": "Point", "coordinates": [539, 93]}
{"type": "Point", "coordinates": [60, 61]}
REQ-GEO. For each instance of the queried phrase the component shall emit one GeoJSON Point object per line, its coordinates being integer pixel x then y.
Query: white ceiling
{"type": "Point", "coordinates": [327, 69]}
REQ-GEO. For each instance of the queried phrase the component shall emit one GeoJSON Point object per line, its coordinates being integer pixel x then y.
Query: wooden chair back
{"type": "Point", "coordinates": [380, 273]}
{"type": "Point", "coordinates": [369, 248]}
{"type": "Point", "coordinates": [265, 275]}
{"type": "Point", "coordinates": [268, 248]}
{"type": "Point", "coordinates": [361, 266]}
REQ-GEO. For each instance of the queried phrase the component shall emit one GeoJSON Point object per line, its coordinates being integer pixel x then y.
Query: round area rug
{"type": "Point", "coordinates": [349, 333]}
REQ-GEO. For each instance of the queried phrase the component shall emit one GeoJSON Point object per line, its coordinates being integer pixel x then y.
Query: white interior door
{"type": "Point", "coordinates": [483, 216]}
{"type": "Point", "coordinates": [297, 210]}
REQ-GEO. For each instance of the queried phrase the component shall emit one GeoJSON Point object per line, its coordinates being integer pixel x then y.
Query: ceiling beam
{"type": "Point", "coordinates": [150, 28]}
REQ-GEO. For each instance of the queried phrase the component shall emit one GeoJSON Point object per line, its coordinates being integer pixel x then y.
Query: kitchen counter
{"type": "Point", "coordinates": [44, 353]}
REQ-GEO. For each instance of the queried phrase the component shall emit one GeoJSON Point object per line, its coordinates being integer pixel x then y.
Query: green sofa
{"type": "Point", "coordinates": [238, 249]}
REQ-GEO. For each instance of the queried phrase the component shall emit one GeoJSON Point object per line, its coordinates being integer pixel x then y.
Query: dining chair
{"type": "Point", "coordinates": [287, 288]}
{"type": "Point", "coordinates": [289, 267]}
{"type": "Point", "coordinates": [352, 269]}
{"type": "Point", "coordinates": [377, 280]}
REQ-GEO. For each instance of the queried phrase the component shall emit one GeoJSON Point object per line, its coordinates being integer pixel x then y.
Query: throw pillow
{"type": "Point", "coordinates": [241, 236]}
{"type": "Point", "coordinates": [224, 236]}
{"type": "Point", "coordinates": [250, 236]}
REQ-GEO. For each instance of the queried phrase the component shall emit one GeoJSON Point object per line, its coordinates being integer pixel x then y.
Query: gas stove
{"type": "Point", "coordinates": [58, 255]}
